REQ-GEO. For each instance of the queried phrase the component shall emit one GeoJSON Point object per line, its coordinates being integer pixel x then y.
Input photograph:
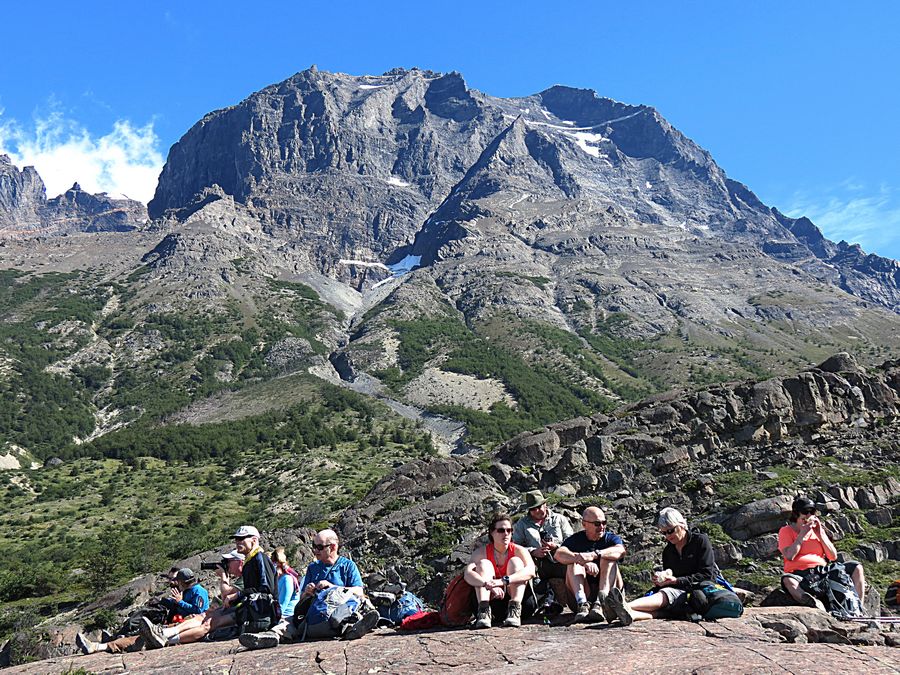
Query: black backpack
{"type": "Point", "coordinates": [833, 586]}
{"type": "Point", "coordinates": [153, 612]}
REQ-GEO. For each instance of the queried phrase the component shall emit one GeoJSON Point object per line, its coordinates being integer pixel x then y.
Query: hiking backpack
{"type": "Point", "coordinates": [833, 586]}
{"type": "Point", "coordinates": [710, 601]}
{"type": "Point", "coordinates": [458, 605]}
{"type": "Point", "coordinates": [404, 605]}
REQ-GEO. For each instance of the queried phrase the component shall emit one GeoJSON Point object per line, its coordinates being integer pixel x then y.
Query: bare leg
{"type": "Point", "coordinates": [859, 582]}
{"type": "Point", "coordinates": [646, 607]}
{"type": "Point", "coordinates": [484, 571]}
{"type": "Point", "coordinates": [609, 572]}
{"type": "Point", "coordinates": [793, 587]}
{"type": "Point", "coordinates": [213, 621]}
{"type": "Point", "coordinates": [575, 580]}
{"type": "Point", "coordinates": [516, 591]}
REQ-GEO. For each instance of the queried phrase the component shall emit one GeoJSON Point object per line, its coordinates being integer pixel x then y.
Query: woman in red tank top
{"type": "Point", "coordinates": [499, 570]}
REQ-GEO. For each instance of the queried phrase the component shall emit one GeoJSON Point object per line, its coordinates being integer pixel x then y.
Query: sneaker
{"type": "Point", "coordinates": [596, 613]}
{"type": "Point", "coordinates": [363, 626]}
{"type": "Point", "coordinates": [616, 603]}
{"type": "Point", "coordinates": [483, 619]}
{"type": "Point", "coordinates": [581, 615]}
{"type": "Point", "coordinates": [809, 600]}
{"type": "Point", "coordinates": [513, 615]}
{"type": "Point", "coordinates": [152, 634]}
{"type": "Point", "coordinates": [265, 640]}
{"type": "Point", "coordinates": [85, 645]}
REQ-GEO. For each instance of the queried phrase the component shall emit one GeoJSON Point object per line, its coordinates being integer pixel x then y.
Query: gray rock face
{"type": "Point", "coordinates": [374, 168]}
{"type": "Point", "coordinates": [26, 212]}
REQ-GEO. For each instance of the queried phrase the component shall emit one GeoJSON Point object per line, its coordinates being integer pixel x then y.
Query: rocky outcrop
{"type": "Point", "coordinates": [26, 212]}
{"type": "Point", "coordinates": [731, 457]}
{"type": "Point", "coordinates": [757, 642]}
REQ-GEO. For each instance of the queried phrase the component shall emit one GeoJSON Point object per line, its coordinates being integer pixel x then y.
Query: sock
{"type": "Point", "coordinates": [174, 639]}
{"type": "Point", "coordinates": [580, 597]}
{"type": "Point", "coordinates": [170, 631]}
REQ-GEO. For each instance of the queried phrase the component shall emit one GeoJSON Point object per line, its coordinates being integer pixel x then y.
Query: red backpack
{"type": "Point", "coordinates": [458, 605]}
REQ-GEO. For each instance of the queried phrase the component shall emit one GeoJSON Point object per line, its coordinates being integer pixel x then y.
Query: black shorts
{"type": "Point", "coordinates": [849, 567]}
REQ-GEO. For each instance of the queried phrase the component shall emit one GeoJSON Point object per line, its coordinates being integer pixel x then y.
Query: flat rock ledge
{"type": "Point", "coordinates": [766, 640]}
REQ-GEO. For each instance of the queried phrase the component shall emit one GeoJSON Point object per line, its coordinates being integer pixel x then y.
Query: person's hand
{"type": "Point", "coordinates": [310, 589]}
{"type": "Point", "coordinates": [666, 580]}
{"type": "Point", "coordinates": [498, 592]}
{"type": "Point", "coordinates": [175, 594]}
{"type": "Point", "coordinates": [585, 558]}
{"type": "Point", "coordinates": [322, 585]}
{"type": "Point", "coordinates": [539, 552]}
{"type": "Point", "coordinates": [592, 569]}
{"type": "Point", "coordinates": [814, 523]}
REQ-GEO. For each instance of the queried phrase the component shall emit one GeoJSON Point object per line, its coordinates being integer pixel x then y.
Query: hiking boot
{"type": "Point", "coordinates": [809, 600]}
{"type": "Point", "coordinates": [608, 613]}
{"type": "Point", "coordinates": [596, 613]}
{"type": "Point", "coordinates": [513, 615]}
{"type": "Point", "coordinates": [483, 618]}
{"type": "Point", "coordinates": [85, 645]}
{"type": "Point", "coordinates": [152, 634]}
{"type": "Point", "coordinates": [581, 615]}
{"type": "Point", "coordinates": [617, 604]}
{"type": "Point", "coordinates": [363, 626]}
{"type": "Point", "coordinates": [265, 640]}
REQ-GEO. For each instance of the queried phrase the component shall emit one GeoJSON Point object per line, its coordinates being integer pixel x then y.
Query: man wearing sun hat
{"type": "Point", "coordinates": [541, 531]}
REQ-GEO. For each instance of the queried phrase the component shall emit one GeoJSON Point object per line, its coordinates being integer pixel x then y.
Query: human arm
{"type": "Point", "coordinates": [227, 590]}
{"type": "Point", "coordinates": [194, 601]}
{"type": "Point", "coordinates": [790, 540]}
{"type": "Point", "coordinates": [528, 572]}
{"type": "Point", "coordinates": [827, 545]}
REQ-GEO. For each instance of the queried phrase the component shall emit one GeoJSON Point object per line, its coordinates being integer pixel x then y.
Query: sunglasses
{"type": "Point", "coordinates": [809, 512]}
{"type": "Point", "coordinates": [242, 538]}
{"type": "Point", "coordinates": [666, 533]}
{"type": "Point", "coordinates": [503, 530]}
{"type": "Point", "coordinates": [595, 523]}
{"type": "Point", "coordinates": [320, 547]}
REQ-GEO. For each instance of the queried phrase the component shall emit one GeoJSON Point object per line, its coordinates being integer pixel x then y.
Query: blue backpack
{"type": "Point", "coordinates": [332, 606]}
{"type": "Point", "coordinates": [405, 605]}
{"type": "Point", "coordinates": [710, 601]}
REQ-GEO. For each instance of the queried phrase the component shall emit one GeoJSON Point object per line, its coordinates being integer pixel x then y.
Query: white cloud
{"type": "Point", "coordinates": [855, 213]}
{"type": "Point", "coordinates": [125, 161]}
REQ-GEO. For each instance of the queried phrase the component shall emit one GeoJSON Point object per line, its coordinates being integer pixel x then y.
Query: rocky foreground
{"type": "Point", "coordinates": [766, 640]}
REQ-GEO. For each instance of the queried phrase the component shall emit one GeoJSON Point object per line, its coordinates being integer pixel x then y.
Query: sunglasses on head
{"type": "Point", "coordinates": [320, 547]}
{"type": "Point", "coordinates": [503, 530]}
{"type": "Point", "coordinates": [595, 523]}
{"type": "Point", "coordinates": [809, 512]}
{"type": "Point", "coordinates": [667, 532]}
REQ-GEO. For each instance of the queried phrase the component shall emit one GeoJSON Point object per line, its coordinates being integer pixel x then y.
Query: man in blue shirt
{"type": "Point", "coordinates": [327, 570]}
{"type": "Point", "coordinates": [592, 558]}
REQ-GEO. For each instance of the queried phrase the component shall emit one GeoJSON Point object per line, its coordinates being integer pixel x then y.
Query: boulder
{"type": "Point", "coordinates": [530, 449]}
{"type": "Point", "coordinates": [759, 517]}
{"type": "Point", "coordinates": [572, 430]}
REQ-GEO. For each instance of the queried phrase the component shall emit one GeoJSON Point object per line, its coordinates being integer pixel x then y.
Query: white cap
{"type": "Point", "coordinates": [246, 531]}
{"type": "Point", "coordinates": [233, 555]}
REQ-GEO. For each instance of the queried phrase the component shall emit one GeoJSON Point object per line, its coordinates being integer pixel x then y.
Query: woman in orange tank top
{"type": "Point", "coordinates": [499, 571]}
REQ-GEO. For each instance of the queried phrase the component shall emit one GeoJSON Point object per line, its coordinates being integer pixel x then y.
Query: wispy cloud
{"type": "Point", "coordinates": [125, 161]}
{"type": "Point", "coordinates": [856, 213]}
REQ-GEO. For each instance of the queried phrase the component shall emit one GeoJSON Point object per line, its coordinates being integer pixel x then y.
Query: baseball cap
{"type": "Point", "coordinates": [246, 531]}
{"type": "Point", "coordinates": [233, 555]}
{"type": "Point", "coordinates": [185, 575]}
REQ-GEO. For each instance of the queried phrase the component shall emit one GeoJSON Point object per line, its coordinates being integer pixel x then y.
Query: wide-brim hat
{"type": "Point", "coordinates": [534, 499]}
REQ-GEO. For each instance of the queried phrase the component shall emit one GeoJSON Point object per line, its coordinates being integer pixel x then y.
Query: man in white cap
{"type": "Point", "coordinates": [258, 577]}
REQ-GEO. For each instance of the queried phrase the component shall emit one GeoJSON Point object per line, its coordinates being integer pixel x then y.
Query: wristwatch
{"type": "Point", "coordinates": [506, 580]}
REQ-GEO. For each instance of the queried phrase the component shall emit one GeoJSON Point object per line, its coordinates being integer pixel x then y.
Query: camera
{"type": "Point", "coordinates": [219, 564]}
{"type": "Point", "coordinates": [546, 536]}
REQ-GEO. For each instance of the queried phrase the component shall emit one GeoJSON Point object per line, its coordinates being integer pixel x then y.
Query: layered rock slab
{"type": "Point", "coordinates": [727, 646]}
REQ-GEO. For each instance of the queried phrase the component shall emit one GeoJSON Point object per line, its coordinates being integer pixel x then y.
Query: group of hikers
{"type": "Point", "coordinates": [538, 566]}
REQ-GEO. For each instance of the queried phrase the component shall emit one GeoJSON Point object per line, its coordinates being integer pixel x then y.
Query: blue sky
{"type": "Point", "coordinates": [796, 99]}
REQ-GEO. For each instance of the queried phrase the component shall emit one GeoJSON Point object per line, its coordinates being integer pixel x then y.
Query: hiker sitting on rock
{"type": "Point", "coordinates": [186, 598]}
{"type": "Point", "coordinates": [254, 607]}
{"type": "Point", "coordinates": [329, 569]}
{"type": "Point", "coordinates": [499, 572]}
{"type": "Point", "coordinates": [687, 558]}
{"type": "Point", "coordinates": [805, 544]}
{"type": "Point", "coordinates": [541, 531]}
{"type": "Point", "coordinates": [592, 559]}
